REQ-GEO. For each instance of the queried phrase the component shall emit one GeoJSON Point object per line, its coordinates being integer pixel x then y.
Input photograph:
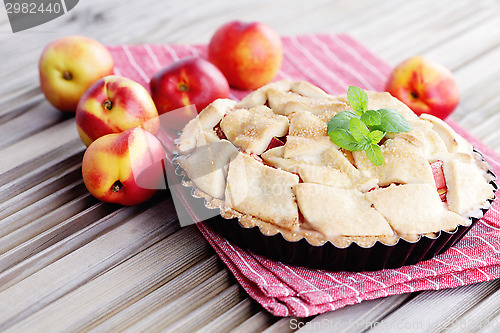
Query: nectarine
{"type": "Point", "coordinates": [124, 168]}
{"type": "Point", "coordinates": [70, 65]}
{"type": "Point", "coordinates": [248, 54]}
{"type": "Point", "coordinates": [425, 86]}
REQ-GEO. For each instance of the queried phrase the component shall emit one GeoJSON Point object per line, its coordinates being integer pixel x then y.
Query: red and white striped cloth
{"type": "Point", "coordinates": [332, 62]}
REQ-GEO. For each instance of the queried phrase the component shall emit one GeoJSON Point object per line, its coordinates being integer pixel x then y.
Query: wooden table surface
{"type": "Point", "coordinates": [70, 263]}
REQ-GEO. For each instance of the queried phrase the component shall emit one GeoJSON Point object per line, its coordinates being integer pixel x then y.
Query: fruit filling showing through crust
{"type": "Point", "coordinates": [437, 172]}
{"type": "Point", "coordinates": [219, 132]}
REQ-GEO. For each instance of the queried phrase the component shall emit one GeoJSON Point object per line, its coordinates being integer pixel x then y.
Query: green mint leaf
{"type": "Point", "coordinates": [341, 120]}
{"type": "Point", "coordinates": [363, 129]}
{"type": "Point", "coordinates": [392, 121]}
{"type": "Point", "coordinates": [358, 99]}
{"type": "Point", "coordinates": [359, 130]}
{"type": "Point", "coordinates": [344, 139]}
{"type": "Point", "coordinates": [371, 117]}
{"type": "Point", "coordinates": [374, 154]}
{"type": "Point", "coordinates": [376, 136]}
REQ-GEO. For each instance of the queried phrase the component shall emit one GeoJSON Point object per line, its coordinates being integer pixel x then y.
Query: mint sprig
{"type": "Point", "coordinates": [358, 99]}
{"type": "Point", "coordinates": [363, 129]}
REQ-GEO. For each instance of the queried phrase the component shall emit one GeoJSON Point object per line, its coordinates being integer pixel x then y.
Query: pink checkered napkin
{"type": "Point", "coordinates": [332, 62]}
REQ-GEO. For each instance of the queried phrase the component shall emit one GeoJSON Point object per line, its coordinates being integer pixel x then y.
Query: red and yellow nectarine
{"type": "Point", "coordinates": [425, 86]}
{"type": "Point", "coordinates": [124, 168]}
{"type": "Point", "coordinates": [248, 54]}
{"type": "Point", "coordinates": [191, 80]}
{"type": "Point", "coordinates": [70, 65]}
{"type": "Point", "coordinates": [114, 104]}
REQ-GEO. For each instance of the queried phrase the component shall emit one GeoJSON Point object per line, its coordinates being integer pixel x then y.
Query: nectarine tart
{"type": "Point", "coordinates": [354, 182]}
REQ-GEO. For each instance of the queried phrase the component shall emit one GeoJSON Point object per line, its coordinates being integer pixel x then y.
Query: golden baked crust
{"type": "Point", "coordinates": [335, 211]}
{"type": "Point", "coordinates": [207, 166]}
{"type": "Point", "coordinates": [252, 129]}
{"type": "Point", "coordinates": [413, 209]}
{"type": "Point", "coordinates": [271, 164]}
{"type": "Point", "coordinates": [404, 163]}
{"type": "Point", "coordinates": [262, 191]}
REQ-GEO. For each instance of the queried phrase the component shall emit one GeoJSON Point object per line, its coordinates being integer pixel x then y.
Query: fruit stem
{"type": "Point", "coordinates": [117, 186]}
{"type": "Point", "coordinates": [108, 105]}
{"type": "Point", "coordinates": [183, 87]}
{"type": "Point", "coordinates": [67, 75]}
{"type": "Point", "coordinates": [414, 94]}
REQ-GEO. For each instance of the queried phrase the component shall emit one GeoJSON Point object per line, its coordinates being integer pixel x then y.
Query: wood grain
{"type": "Point", "coordinates": [69, 263]}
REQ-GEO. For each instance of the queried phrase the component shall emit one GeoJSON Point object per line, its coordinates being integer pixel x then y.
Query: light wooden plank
{"type": "Point", "coordinates": [485, 316]}
{"type": "Point", "coordinates": [441, 23]}
{"type": "Point", "coordinates": [75, 269]}
{"type": "Point", "coordinates": [428, 311]}
{"type": "Point", "coordinates": [13, 219]}
{"type": "Point", "coordinates": [46, 231]}
{"type": "Point", "coordinates": [489, 327]}
{"type": "Point", "coordinates": [171, 312]}
{"type": "Point", "coordinates": [390, 24]}
{"type": "Point", "coordinates": [232, 318]}
{"type": "Point", "coordinates": [478, 75]}
{"type": "Point", "coordinates": [38, 192]}
{"type": "Point", "coordinates": [99, 218]}
{"type": "Point", "coordinates": [34, 120]}
{"type": "Point", "coordinates": [219, 304]}
{"type": "Point", "coordinates": [40, 144]}
{"type": "Point", "coordinates": [125, 284]}
{"type": "Point", "coordinates": [341, 16]}
{"type": "Point", "coordinates": [489, 126]}
{"type": "Point", "coordinates": [257, 323]}
{"type": "Point", "coordinates": [163, 295]}
{"type": "Point", "coordinates": [55, 168]}
{"type": "Point", "coordinates": [42, 215]}
{"type": "Point", "coordinates": [20, 86]}
{"type": "Point", "coordinates": [20, 103]}
{"type": "Point", "coordinates": [355, 318]}
{"type": "Point", "coordinates": [478, 38]}
{"type": "Point", "coordinates": [287, 324]}
{"type": "Point", "coordinates": [38, 150]}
